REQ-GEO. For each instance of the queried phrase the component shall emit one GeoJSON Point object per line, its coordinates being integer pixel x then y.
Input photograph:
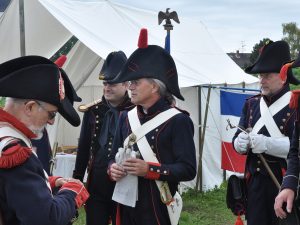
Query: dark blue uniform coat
{"type": "Point", "coordinates": [95, 144]}
{"type": "Point", "coordinates": [25, 197]}
{"type": "Point", "coordinates": [261, 189]}
{"type": "Point", "coordinates": [290, 180]}
{"type": "Point", "coordinates": [173, 144]}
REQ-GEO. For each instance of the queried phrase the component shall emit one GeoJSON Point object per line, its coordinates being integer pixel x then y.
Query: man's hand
{"type": "Point", "coordinates": [137, 167]}
{"type": "Point", "coordinates": [242, 143]}
{"type": "Point", "coordinates": [61, 181]}
{"type": "Point", "coordinates": [116, 172]}
{"type": "Point", "coordinates": [285, 196]}
{"type": "Point", "coordinates": [81, 193]}
{"type": "Point", "coordinates": [275, 146]}
{"type": "Point", "coordinates": [258, 143]}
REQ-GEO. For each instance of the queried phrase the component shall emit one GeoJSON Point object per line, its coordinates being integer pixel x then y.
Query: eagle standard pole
{"type": "Point", "coordinates": [22, 28]}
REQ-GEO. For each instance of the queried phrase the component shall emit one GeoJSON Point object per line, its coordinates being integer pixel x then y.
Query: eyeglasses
{"type": "Point", "coordinates": [51, 114]}
{"type": "Point", "coordinates": [134, 82]}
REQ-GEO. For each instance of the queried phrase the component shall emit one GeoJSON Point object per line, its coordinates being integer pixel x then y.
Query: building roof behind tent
{"type": "Point", "coordinates": [241, 59]}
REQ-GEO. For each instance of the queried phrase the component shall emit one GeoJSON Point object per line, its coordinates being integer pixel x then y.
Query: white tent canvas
{"type": "Point", "coordinates": [103, 26]}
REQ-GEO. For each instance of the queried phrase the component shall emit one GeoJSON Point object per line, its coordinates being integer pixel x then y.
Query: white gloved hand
{"type": "Point", "coordinates": [242, 143]}
{"type": "Point", "coordinates": [258, 143]}
{"type": "Point", "coordinates": [275, 146]}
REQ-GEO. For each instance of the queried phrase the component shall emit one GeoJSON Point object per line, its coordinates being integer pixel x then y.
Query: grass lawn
{"type": "Point", "coordinates": [207, 208]}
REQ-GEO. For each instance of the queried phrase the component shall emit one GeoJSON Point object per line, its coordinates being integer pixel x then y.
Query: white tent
{"type": "Point", "coordinates": [103, 26]}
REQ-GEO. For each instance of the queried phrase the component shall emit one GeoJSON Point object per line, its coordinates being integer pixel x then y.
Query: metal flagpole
{"type": "Point", "coordinates": [168, 16]}
{"type": "Point", "coordinates": [22, 28]}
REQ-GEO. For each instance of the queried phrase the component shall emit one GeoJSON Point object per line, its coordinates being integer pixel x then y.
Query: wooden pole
{"type": "Point", "coordinates": [201, 144]}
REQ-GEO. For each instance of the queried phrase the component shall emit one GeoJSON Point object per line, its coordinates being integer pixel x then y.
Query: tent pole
{"type": "Point", "coordinates": [224, 171]}
{"type": "Point", "coordinates": [201, 145]}
{"type": "Point", "coordinates": [22, 28]}
{"type": "Point", "coordinates": [199, 169]}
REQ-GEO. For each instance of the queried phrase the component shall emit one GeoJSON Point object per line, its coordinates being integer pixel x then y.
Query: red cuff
{"type": "Point", "coordinates": [52, 180]}
{"type": "Point", "coordinates": [153, 171]}
{"type": "Point", "coordinates": [81, 193]}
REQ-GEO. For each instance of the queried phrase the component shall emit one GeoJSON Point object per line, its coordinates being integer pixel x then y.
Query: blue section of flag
{"type": "Point", "coordinates": [167, 43]}
{"type": "Point", "coordinates": [3, 5]}
{"type": "Point", "coordinates": [232, 103]}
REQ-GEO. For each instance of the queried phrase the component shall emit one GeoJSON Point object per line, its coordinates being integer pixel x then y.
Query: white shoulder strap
{"type": "Point", "coordinates": [6, 131]}
{"type": "Point", "coordinates": [4, 142]}
{"type": "Point", "coordinates": [141, 130]}
{"type": "Point", "coordinates": [269, 120]}
{"type": "Point", "coordinates": [12, 134]}
{"type": "Point", "coordinates": [273, 110]}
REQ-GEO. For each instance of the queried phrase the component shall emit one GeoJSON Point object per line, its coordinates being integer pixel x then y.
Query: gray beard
{"type": "Point", "coordinates": [37, 131]}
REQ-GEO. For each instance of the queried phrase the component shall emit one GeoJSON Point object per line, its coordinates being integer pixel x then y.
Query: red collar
{"type": "Point", "coordinates": [6, 117]}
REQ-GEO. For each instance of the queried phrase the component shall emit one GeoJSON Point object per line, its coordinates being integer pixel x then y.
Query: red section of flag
{"type": "Point", "coordinates": [231, 160]}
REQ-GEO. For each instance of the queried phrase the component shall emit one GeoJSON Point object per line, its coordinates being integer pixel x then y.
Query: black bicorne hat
{"type": "Point", "coordinates": [71, 95]}
{"type": "Point", "coordinates": [70, 91]}
{"type": "Point", "coordinates": [151, 61]}
{"type": "Point", "coordinates": [271, 58]}
{"type": "Point", "coordinates": [38, 78]}
{"type": "Point", "coordinates": [112, 65]}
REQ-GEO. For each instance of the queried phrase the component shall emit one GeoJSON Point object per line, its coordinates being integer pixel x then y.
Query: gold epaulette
{"type": "Point", "coordinates": [85, 107]}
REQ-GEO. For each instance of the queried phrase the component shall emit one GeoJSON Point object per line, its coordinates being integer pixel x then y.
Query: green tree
{"type": "Point", "coordinates": [291, 34]}
{"type": "Point", "coordinates": [296, 73]}
{"type": "Point", "coordinates": [256, 49]}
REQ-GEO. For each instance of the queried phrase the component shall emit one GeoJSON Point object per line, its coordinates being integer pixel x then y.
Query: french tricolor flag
{"type": "Point", "coordinates": [231, 108]}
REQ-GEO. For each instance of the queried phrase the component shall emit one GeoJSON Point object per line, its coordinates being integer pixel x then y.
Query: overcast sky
{"type": "Point", "coordinates": [234, 24]}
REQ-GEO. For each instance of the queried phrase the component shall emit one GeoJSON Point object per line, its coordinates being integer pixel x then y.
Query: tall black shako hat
{"type": "Point", "coordinates": [112, 65]}
{"type": "Point", "coordinates": [151, 61]}
{"type": "Point", "coordinates": [271, 58]}
{"type": "Point", "coordinates": [38, 78]}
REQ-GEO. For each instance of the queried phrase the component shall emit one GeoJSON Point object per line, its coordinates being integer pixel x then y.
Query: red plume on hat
{"type": "Point", "coordinates": [288, 73]}
{"type": "Point", "coordinates": [284, 71]}
{"type": "Point", "coordinates": [143, 38]}
{"type": "Point", "coordinates": [61, 61]}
